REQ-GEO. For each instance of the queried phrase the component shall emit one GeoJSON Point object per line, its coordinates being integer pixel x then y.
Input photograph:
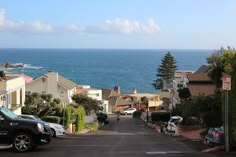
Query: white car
{"type": "Point", "coordinates": [128, 111]}
{"type": "Point", "coordinates": [56, 129]}
{"type": "Point", "coordinates": [172, 123]}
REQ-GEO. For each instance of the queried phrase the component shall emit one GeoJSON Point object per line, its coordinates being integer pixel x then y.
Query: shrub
{"type": "Point", "coordinates": [160, 116]}
{"type": "Point", "coordinates": [80, 121]}
{"type": "Point", "coordinates": [102, 117]}
{"type": "Point", "coordinates": [92, 126]}
{"type": "Point", "coordinates": [191, 121]}
{"type": "Point", "coordinates": [213, 119]}
{"type": "Point", "coordinates": [52, 119]}
{"type": "Point", "coordinates": [137, 114]}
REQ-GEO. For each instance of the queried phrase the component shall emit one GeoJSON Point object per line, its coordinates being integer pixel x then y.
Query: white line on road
{"type": "Point", "coordinates": [169, 152]}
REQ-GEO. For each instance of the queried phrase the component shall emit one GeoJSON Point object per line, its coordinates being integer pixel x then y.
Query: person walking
{"type": "Point", "coordinates": [118, 115]}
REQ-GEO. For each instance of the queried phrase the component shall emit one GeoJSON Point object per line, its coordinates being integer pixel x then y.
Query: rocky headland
{"type": "Point", "coordinates": [10, 65]}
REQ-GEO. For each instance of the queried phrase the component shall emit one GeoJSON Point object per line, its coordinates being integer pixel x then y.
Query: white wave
{"type": "Point", "coordinates": [29, 66]}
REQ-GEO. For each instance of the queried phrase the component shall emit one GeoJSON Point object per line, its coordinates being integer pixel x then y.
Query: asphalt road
{"type": "Point", "coordinates": [125, 138]}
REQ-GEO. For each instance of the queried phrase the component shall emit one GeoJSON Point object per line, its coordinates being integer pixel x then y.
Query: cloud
{"type": "Point", "coordinates": [118, 26]}
{"type": "Point", "coordinates": [22, 26]}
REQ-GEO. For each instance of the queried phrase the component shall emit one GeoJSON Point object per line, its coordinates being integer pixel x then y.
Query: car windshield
{"type": "Point", "coordinates": [8, 113]}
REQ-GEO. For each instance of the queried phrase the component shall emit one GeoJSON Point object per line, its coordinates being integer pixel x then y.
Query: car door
{"type": "Point", "coordinates": [4, 130]}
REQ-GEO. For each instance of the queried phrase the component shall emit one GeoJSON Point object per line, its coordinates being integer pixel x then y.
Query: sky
{"type": "Point", "coordinates": [131, 24]}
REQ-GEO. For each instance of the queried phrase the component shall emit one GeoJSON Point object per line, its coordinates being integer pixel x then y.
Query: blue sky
{"type": "Point", "coordinates": [151, 24]}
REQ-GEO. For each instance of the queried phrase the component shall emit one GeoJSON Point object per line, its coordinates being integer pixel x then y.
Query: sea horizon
{"type": "Point", "coordinates": [102, 68]}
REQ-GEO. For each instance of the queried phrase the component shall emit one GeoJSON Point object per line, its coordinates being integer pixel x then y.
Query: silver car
{"type": "Point", "coordinates": [56, 129]}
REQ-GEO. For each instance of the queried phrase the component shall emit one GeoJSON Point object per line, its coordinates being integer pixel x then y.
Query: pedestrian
{"type": "Point", "coordinates": [118, 115]}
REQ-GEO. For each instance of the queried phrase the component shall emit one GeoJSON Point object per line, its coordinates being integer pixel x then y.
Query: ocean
{"type": "Point", "coordinates": [102, 68]}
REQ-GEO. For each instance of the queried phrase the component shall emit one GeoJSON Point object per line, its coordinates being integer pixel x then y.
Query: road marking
{"type": "Point", "coordinates": [169, 152]}
{"type": "Point", "coordinates": [79, 145]}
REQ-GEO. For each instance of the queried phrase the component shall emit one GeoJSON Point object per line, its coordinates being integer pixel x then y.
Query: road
{"type": "Point", "coordinates": [125, 138]}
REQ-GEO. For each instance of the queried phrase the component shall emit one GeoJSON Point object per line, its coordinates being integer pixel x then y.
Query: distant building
{"type": "Point", "coordinates": [55, 84]}
{"type": "Point", "coordinates": [94, 94]}
{"type": "Point", "coordinates": [12, 92]}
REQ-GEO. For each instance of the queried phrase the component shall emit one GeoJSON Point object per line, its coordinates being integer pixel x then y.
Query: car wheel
{"type": "Point", "coordinates": [22, 142]}
{"type": "Point", "coordinates": [53, 133]}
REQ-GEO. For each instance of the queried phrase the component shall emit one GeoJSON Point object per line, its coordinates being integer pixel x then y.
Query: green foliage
{"type": "Point", "coordinates": [67, 116]}
{"type": "Point", "coordinates": [102, 117]}
{"type": "Point", "coordinates": [52, 119]}
{"type": "Point", "coordinates": [213, 119]}
{"type": "Point", "coordinates": [216, 68]}
{"type": "Point", "coordinates": [165, 72]}
{"type": "Point", "coordinates": [39, 104]}
{"type": "Point", "coordinates": [191, 121]}
{"type": "Point", "coordinates": [88, 103]}
{"type": "Point", "coordinates": [160, 116]}
{"type": "Point", "coordinates": [202, 107]}
{"type": "Point", "coordinates": [137, 114]}
{"type": "Point", "coordinates": [80, 121]}
{"type": "Point", "coordinates": [92, 126]}
{"type": "Point", "coordinates": [229, 63]}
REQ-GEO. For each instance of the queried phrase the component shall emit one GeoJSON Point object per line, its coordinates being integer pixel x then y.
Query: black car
{"type": "Point", "coordinates": [22, 134]}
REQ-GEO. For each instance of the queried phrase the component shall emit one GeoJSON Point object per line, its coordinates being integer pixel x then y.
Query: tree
{"type": "Point", "coordinates": [165, 72]}
{"type": "Point", "coordinates": [216, 68]}
{"type": "Point", "coordinates": [39, 104]}
{"type": "Point", "coordinates": [88, 103]}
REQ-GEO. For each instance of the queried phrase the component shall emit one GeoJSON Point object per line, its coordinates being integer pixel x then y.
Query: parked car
{"type": "Point", "coordinates": [215, 136]}
{"type": "Point", "coordinates": [56, 129]}
{"type": "Point", "coordinates": [21, 133]}
{"type": "Point", "coordinates": [128, 111]}
{"type": "Point", "coordinates": [172, 123]}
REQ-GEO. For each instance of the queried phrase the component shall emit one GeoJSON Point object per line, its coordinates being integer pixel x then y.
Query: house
{"type": "Point", "coordinates": [200, 83]}
{"type": "Point", "coordinates": [144, 100]}
{"type": "Point", "coordinates": [12, 91]}
{"type": "Point", "coordinates": [94, 94]}
{"type": "Point", "coordinates": [55, 84]}
{"type": "Point", "coordinates": [113, 99]}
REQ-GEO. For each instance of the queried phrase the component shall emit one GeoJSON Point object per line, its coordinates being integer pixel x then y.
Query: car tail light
{"type": "Point", "coordinates": [217, 134]}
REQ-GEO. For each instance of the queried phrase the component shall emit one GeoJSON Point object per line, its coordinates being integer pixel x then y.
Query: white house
{"type": "Point", "coordinates": [55, 84]}
{"type": "Point", "coordinates": [94, 94]}
{"type": "Point", "coordinates": [12, 92]}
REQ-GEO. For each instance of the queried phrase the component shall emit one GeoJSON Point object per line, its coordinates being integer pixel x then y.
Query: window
{"type": "Point", "coordinates": [62, 93]}
{"type": "Point", "coordinates": [27, 92]}
{"type": "Point", "coordinates": [43, 92]}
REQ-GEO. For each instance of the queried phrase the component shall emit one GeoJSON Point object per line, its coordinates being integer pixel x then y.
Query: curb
{"type": "Point", "coordinates": [213, 149]}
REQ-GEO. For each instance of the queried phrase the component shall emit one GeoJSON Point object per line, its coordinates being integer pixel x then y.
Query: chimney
{"type": "Point", "coordinates": [117, 89]}
{"type": "Point", "coordinates": [134, 91]}
{"type": "Point", "coordinates": [52, 82]}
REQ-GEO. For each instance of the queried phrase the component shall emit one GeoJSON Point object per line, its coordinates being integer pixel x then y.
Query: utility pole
{"type": "Point", "coordinates": [226, 87]}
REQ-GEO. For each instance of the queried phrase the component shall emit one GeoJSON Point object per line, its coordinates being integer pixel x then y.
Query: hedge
{"type": "Point", "coordinates": [137, 114]}
{"type": "Point", "coordinates": [160, 116]}
{"type": "Point", "coordinates": [52, 119]}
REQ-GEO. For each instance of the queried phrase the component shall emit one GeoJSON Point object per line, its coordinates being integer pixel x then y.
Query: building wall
{"type": "Point", "coordinates": [52, 81]}
{"type": "Point", "coordinates": [38, 86]}
{"type": "Point", "coordinates": [95, 94]}
{"type": "Point", "coordinates": [13, 92]}
{"type": "Point", "coordinates": [42, 85]}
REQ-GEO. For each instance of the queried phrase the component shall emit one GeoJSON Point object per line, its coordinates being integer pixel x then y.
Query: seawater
{"type": "Point", "coordinates": [102, 68]}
